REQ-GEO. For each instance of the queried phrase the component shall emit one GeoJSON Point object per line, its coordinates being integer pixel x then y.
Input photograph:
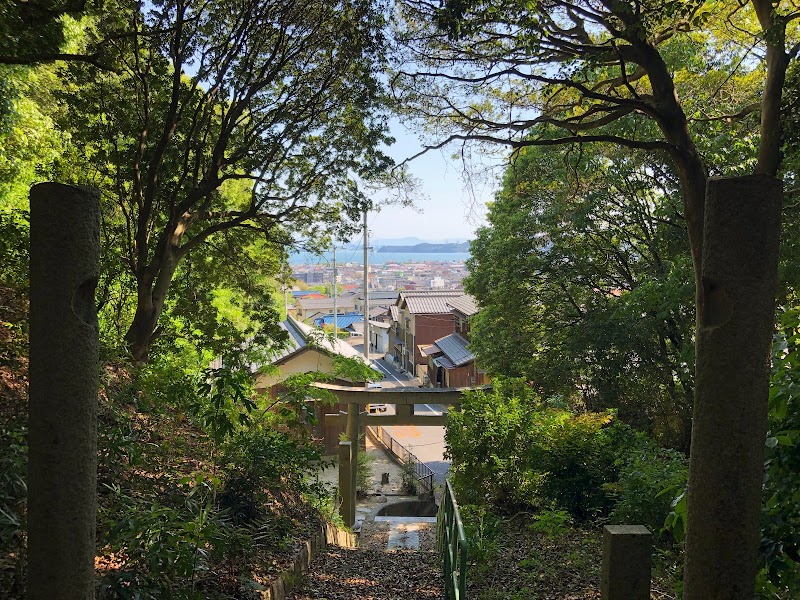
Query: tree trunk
{"type": "Point", "coordinates": [150, 298]}
{"type": "Point", "coordinates": [64, 363]}
{"type": "Point", "coordinates": [732, 366]}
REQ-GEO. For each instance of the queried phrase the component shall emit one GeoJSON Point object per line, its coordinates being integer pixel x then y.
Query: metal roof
{"type": "Point", "coordinates": [402, 294]}
{"type": "Point", "coordinates": [442, 361]}
{"type": "Point", "coordinates": [429, 304]}
{"type": "Point", "coordinates": [302, 336]}
{"type": "Point", "coordinates": [455, 349]}
{"type": "Point", "coordinates": [428, 349]}
{"type": "Point", "coordinates": [466, 305]}
{"type": "Point", "coordinates": [342, 321]}
{"type": "Point", "coordinates": [380, 295]}
{"type": "Point", "coordinates": [327, 303]}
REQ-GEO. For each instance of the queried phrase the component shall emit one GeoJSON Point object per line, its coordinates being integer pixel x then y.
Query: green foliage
{"type": "Point", "coordinates": [780, 517]}
{"type": "Point", "coordinates": [260, 463]}
{"type": "Point", "coordinates": [584, 283]}
{"type": "Point", "coordinates": [649, 480]}
{"type": "Point", "coordinates": [354, 369]}
{"type": "Point", "coordinates": [675, 522]}
{"type": "Point", "coordinates": [225, 401]}
{"type": "Point", "coordinates": [14, 233]}
{"type": "Point", "coordinates": [13, 494]}
{"type": "Point", "coordinates": [31, 145]}
{"type": "Point", "coordinates": [512, 450]}
{"type": "Point", "coordinates": [227, 166]}
{"type": "Point", "coordinates": [481, 528]}
{"type": "Point", "coordinates": [14, 247]}
{"type": "Point", "coordinates": [167, 548]}
{"type": "Point", "coordinates": [409, 476]}
{"type": "Point", "coordinates": [363, 472]}
{"type": "Point", "coordinates": [550, 522]}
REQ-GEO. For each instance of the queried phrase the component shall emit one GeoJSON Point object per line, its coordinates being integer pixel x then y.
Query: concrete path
{"type": "Point", "coordinates": [404, 532]}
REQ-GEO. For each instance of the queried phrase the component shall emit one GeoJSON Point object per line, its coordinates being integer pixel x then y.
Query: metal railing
{"type": "Point", "coordinates": [452, 545]}
{"type": "Point", "coordinates": [423, 473]}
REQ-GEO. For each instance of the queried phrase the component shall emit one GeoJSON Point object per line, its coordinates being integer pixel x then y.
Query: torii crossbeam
{"type": "Point", "coordinates": [404, 399]}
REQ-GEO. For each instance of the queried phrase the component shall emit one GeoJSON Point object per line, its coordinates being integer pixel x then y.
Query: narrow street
{"type": "Point", "coordinates": [426, 443]}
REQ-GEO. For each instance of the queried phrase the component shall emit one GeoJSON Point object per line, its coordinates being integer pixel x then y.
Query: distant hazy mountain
{"type": "Point", "coordinates": [404, 241]}
{"type": "Point", "coordinates": [427, 247]}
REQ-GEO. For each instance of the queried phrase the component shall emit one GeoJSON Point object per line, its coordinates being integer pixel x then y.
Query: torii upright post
{"type": "Point", "coordinates": [352, 436]}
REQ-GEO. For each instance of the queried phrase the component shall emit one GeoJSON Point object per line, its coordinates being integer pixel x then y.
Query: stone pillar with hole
{"type": "Point", "coordinates": [64, 374]}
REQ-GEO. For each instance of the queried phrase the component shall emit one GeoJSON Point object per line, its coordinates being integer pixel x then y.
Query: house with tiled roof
{"type": "Point", "coordinates": [423, 316]}
{"type": "Point", "coordinates": [452, 364]}
{"type": "Point", "coordinates": [377, 299]}
{"type": "Point", "coordinates": [463, 308]}
{"type": "Point", "coordinates": [308, 349]}
{"type": "Point", "coordinates": [306, 307]}
{"type": "Point", "coordinates": [450, 361]}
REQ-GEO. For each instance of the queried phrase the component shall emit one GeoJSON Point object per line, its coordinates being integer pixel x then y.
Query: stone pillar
{"type": "Point", "coordinates": [735, 323]}
{"type": "Point", "coordinates": [64, 372]}
{"type": "Point", "coordinates": [625, 572]}
{"type": "Point", "coordinates": [347, 506]}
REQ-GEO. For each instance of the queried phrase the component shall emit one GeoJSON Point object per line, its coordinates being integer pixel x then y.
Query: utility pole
{"type": "Point", "coordinates": [335, 321]}
{"type": "Point", "coordinates": [366, 288]}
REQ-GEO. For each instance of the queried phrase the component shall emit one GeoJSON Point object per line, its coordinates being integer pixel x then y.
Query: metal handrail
{"type": "Point", "coordinates": [424, 474]}
{"type": "Point", "coordinates": [452, 545]}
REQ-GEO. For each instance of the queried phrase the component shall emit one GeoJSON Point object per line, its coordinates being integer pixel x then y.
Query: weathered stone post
{"type": "Point", "coordinates": [732, 367]}
{"type": "Point", "coordinates": [347, 508]}
{"type": "Point", "coordinates": [64, 372]}
{"type": "Point", "coordinates": [625, 573]}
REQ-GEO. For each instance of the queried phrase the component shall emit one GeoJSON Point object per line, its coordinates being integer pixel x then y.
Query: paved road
{"type": "Point", "coordinates": [425, 442]}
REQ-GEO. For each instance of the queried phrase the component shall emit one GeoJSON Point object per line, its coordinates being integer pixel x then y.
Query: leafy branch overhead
{"type": "Point", "coordinates": [554, 72]}
{"type": "Point", "coordinates": [262, 116]}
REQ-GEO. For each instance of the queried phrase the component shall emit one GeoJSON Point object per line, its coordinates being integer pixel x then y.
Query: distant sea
{"type": "Point", "coordinates": [375, 258]}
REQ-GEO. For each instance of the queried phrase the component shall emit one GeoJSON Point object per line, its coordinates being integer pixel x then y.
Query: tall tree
{"type": "Point", "coordinates": [41, 31]}
{"type": "Point", "coordinates": [281, 95]}
{"type": "Point", "coordinates": [493, 70]}
{"type": "Point", "coordinates": [584, 285]}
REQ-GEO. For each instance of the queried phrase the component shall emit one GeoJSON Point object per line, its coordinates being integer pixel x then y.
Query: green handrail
{"type": "Point", "coordinates": [452, 546]}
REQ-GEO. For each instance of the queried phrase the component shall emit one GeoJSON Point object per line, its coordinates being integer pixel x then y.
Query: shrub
{"type": "Point", "coordinates": [13, 493]}
{"type": "Point", "coordinates": [649, 480]}
{"type": "Point", "coordinates": [260, 462]}
{"type": "Point", "coordinates": [550, 522]}
{"type": "Point", "coordinates": [364, 472]}
{"type": "Point", "coordinates": [166, 551]}
{"type": "Point", "coordinates": [513, 450]}
{"type": "Point", "coordinates": [482, 529]}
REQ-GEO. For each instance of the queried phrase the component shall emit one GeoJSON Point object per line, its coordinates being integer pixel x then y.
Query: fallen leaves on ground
{"type": "Point", "coordinates": [366, 574]}
{"type": "Point", "coordinates": [519, 564]}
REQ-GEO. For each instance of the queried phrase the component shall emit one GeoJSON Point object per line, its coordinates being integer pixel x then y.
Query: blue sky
{"type": "Point", "coordinates": [448, 209]}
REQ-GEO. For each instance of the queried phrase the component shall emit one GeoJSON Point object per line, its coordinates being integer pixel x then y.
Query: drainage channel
{"type": "Point", "coordinates": [406, 520]}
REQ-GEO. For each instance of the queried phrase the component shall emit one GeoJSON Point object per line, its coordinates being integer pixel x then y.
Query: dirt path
{"type": "Point", "coordinates": [365, 574]}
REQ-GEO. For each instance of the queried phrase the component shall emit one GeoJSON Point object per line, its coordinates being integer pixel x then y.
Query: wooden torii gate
{"type": "Point", "coordinates": [404, 399]}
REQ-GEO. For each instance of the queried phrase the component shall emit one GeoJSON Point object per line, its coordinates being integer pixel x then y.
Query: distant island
{"type": "Point", "coordinates": [428, 248]}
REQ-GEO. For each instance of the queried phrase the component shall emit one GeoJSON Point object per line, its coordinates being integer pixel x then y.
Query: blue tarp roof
{"type": "Point", "coordinates": [342, 321]}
